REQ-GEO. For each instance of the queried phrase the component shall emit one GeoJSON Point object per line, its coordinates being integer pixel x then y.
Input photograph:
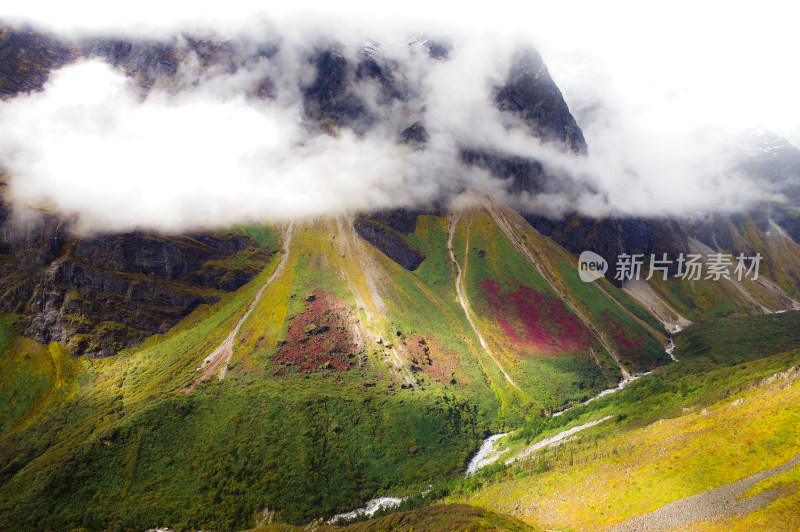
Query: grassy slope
{"type": "Point", "coordinates": [524, 321]}
{"type": "Point", "coordinates": [702, 299]}
{"type": "Point", "coordinates": [106, 442]}
{"type": "Point", "coordinates": [32, 376]}
{"type": "Point", "coordinates": [438, 276]}
{"type": "Point", "coordinates": [125, 442]}
{"type": "Point", "coordinates": [706, 298]}
{"type": "Point", "coordinates": [686, 428]}
{"type": "Point", "coordinates": [540, 338]}
{"type": "Point", "coordinates": [423, 303]}
{"type": "Point", "coordinates": [110, 394]}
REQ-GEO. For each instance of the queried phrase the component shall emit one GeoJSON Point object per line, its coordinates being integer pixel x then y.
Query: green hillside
{"type": "Point", "coordinates": [727, 410]}
{"type": "Point", "coordinates": [348, 376]}
{"type": "Point", "coordinates": [364, 274]}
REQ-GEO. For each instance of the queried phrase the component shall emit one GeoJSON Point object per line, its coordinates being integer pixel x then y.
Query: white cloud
{"type": "Point", "coordinates": [90, 145]}
{"type": "Point", "coordinates": [728, 63]}
{"type": "Point", "coordinates": [661, 81]}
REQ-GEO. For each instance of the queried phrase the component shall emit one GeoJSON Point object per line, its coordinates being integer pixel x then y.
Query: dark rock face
{"type": "Point", "coordinates": [26, 58]}
{"type": "Point", "coordinates": [329, 99]}
{"type": "Point", "coordinates": [415, 135]}
{"type": "Point", "coordinates": [149, 61]}
{"type": "Point", "coordinates": [400, 220]}
{"type": "Point", "coordinates": [524, 174]}
{"type": "Point", "coordinates": [610, 237]}
{"type": "Point", "coordinates": [100, 294]}
{"type": "Point", "coordinates": [389, 241]}
{"type": "Point", "coordinates": [531, 94]}
{"type": "Point", "coordinates": [437, 49]}
{"type": "Point", "coordinates": [374, 68]}
{"type": "Point", "coordinates": [332, 100]}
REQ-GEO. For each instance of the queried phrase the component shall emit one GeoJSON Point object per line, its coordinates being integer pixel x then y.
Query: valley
{"type": "Point", "coordinates": [150, 407]}
{"type": "Point", "coordinates": [347, 296]}
{"type": "Point", "coordinates": [298, 339]}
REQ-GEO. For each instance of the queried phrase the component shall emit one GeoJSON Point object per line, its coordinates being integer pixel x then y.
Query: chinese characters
{"type": "Point", "coordinates": [689, 267]}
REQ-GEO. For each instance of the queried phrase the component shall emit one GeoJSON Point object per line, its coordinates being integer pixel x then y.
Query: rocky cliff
{"type": "Point", "coordinates": [102, 293]}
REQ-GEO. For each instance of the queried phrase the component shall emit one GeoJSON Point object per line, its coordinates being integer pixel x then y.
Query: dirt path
{"type": "Point", "coordinates": [219, 358]}
{"type": "Point", "coordinates": [717, 502]}
{"type": "Point", "coordinates": [452, 222]}
{"type": "Point", "coordinates": [506, 221]}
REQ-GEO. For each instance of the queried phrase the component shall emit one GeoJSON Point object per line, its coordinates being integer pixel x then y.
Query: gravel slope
{"type": "Point", "coordinates": [716, 502]}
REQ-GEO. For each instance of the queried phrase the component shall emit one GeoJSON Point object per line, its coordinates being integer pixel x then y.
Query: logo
{"type": "Point", "coordinates": [591, 266]}
{"type": "Point", "coordinates": [691, 267]}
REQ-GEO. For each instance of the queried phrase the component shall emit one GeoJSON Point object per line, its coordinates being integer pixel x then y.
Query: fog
{"type": "Point", "coordinates": [658, 94]}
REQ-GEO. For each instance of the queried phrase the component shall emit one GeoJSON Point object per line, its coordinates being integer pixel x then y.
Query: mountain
{"type": "Point", "coordinates": [282, 372]}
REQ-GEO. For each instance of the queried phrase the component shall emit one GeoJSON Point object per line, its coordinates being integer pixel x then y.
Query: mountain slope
{"type": "Point", "coordinates": [386, 382]}
{"type": "Point", "coordinates": [451, 517]}
{"type": "Point", "coordinates": [298, 369]}
{"type": "Point", "coordinates": [672, 436]}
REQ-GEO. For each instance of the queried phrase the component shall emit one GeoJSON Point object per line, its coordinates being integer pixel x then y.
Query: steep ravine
{"type": "Point", "coordinates": [452, 224]}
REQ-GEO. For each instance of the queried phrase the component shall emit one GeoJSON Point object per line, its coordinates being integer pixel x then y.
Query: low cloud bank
{"type": "Point", "coordinates": [203, 148]}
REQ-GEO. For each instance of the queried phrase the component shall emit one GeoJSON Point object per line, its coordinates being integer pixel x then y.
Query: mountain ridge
{"type": "Point", "coordinates": [298, 369]}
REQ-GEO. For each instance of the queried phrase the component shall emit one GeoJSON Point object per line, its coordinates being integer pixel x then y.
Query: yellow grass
{"type": "Point", "coordinates": [644, 469]}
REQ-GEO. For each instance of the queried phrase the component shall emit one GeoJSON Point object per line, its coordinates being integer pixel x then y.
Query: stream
{"type": "Point", "coordinates": [622, 384]}
{"type": "Point", "coordinates": [552, 440]}
{"type": "Point", "coordinates": [671, 349]}
{"type": "Point", "coordinates": [369, 509]}
{"type": "Point", "coordinates": [487, 453]}
{"type": "Point", "coordinates": [626, 381]}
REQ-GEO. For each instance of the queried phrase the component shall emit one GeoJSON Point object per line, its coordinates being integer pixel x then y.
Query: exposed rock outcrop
{"type": "Point", "coordinates": [389, 241]}
{"type": "Point", "coordinates": [531, 94]}
{"type": "Point", "coordinates": [26, 58]}
{"type": "Point", "coordinates": [102, 293]}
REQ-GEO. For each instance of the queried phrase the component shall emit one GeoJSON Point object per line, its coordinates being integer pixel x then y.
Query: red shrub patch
{"type": "Point", "coordinates": [428, 357]}
{"type": "Point", "coordinates": [622, 336]}
{"type": "Point", "coordinates": [320, 337]}
{"type": "Point", "coordinates": [533, 321]}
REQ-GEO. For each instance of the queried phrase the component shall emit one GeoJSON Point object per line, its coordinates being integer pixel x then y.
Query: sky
{"type": "Point", "coordinates": [659, 89]}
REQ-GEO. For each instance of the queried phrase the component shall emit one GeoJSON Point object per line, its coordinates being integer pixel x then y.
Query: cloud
{"type": "Point", "coordinates": [198, 150]}
{"type": "Point", "coordinates": [726, 63]}
{"type": "Point", "coordinates": [88, 144]}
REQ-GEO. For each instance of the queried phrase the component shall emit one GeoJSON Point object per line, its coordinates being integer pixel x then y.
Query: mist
{"type": "Point", "coordinates": [198, 149]}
